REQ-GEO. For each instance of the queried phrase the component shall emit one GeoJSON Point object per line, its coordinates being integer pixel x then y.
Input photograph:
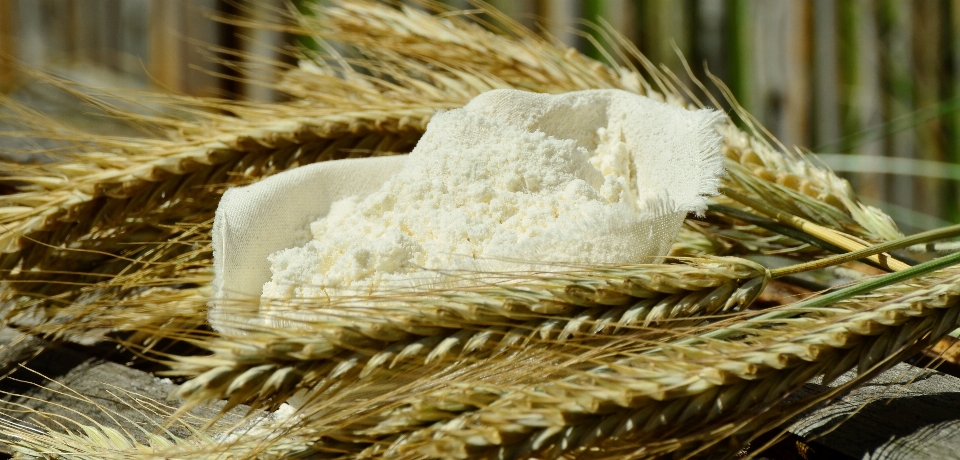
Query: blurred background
{"type": "Point", "coordinates": [872, 85]}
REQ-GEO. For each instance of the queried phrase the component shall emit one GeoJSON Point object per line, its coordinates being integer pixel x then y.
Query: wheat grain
{"type": "Point", "coordinates": [111, 236]}
{"type": "Point", "coordinates": [153, 175]}
{"type": "Point", "coordinates": [686, 373]}
{"type": "Point", "coordinates": [483, 320]}
{"type": "Point", "coordinates": [549, 364]}
{"type": "Point", "coordinates": [499, 298]}
{"type": "Point", "coordinates": [526, 61]}
{"type": "Point", "coordinates": [680, 378]}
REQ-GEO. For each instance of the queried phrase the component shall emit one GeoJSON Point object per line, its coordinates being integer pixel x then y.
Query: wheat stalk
{"type": "Point", "coordinates": [550, 363]}
{"type": "Point", "coordinates": [651, 400]}
{"type": "Point", "coordinates": [165, 171]}
{"type": "Point", "coordinates": [526, 61]}
{"type": "Point", "coordinates": [68, 258]}
{"type": "Point", "coordinates": [473, 323]}
{"type": "Point", "coordinates": [337, 108]}
{"type": "Point", "coordinates": [803, 347]}
{"type": "Point", "coordinates": [858, 333]}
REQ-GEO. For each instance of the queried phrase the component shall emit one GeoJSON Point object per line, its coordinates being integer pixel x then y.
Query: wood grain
{"type": "Point", "coordinates": [7, 34]}
{"type": "Point", "coordinates": [905, 413]}
{"type": "Point", "coordinates": [69, 384]}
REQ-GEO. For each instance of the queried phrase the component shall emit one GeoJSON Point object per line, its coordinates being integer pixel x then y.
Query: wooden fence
{"type": "Point", "coordinates": [870, 79]}
{"type": "Point", "coordinates": [867, 78]}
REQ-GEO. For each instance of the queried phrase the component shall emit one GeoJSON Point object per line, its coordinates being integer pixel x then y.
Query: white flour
{"type": "Point", "coordinates": [509, 182]}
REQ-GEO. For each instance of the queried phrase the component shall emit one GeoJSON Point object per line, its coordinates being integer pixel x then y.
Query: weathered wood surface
{"type": "Point", "coordinates": [7, 13]}
{"type": "Point", "coordinates": [904, 413]}
{"type": "Point", "coordinates": [64, 382]}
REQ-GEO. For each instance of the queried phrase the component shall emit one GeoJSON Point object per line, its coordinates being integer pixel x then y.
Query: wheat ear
{"type": "Point", "coordinates": [536, 418]}
{"type": "Point", "coordinates": [468, 323]}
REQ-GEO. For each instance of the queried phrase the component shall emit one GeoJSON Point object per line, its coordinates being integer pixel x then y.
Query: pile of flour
{"type": "Point", "coordinates": [515, 181]}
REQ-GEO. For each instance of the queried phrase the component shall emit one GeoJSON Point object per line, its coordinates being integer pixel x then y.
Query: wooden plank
{"type": "Point", "coordinates": [68, 384]}
{"type": "Point", "coordinates": [8, 14]}
{"type": "Point", "coordinates": [32, 39]}
{"type": "Point", "coordinates": [780, 69]}
{"type": "Point", "coordinates": [17, 347]}
{"type": "Point", "coordinates": [740, 74]}
{"type": "Point", "coordinates": [558, 17]}
{"type": "Point", "coordinates": [896, 23]}
{"type": "Point", "coordinates": [201, 31]}
{"type": "Point", "coordinates": [952, 193]}
{"type": "Point", "coordinates": [166, 52]}
{"type": "Point", "coordinates": [59, 25]}
{"type": "Point", "coordinates": [664, 24]}
{"type": "Point", "coordinates": [826, 107]}
{"type": "Point", "coordinates": [906, 412]}
{"type": "Point", "coordinates": [91, 28]}
{"type": "Point", "coordinates": [96, 28]}
{"type": "Point", "coordinates": [710, 43]}
{"type": "Point", "coordinates": [795, 128]}
{"type": "Point", "coordinates": [261, 56]}
{"type": "Point", "coordinates": [522, 11]}
{"type": "Point", "coordinates": [179, 31]}
{"type": "Point", "coordinates": [620, 15]}
{"type": "Point", "coordinates": [132, 36]}
{"type": "Point", "coordinates": [860, 92]}
{"type": "Point", "coordinates": [927, 71]}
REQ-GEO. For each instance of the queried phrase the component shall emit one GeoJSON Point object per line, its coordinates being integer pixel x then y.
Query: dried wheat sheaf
{"type": "Point", "coordinates": [638, 361]}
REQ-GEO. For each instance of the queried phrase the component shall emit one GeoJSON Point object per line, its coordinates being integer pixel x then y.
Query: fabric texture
{"type": "Point", "coordinates": [676, 164]}
{"type": "Point", "coordinates": [255, 221]}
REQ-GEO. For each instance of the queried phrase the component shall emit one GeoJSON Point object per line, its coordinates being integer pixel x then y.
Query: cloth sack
{"type": "Point", "coordinates": [676, 153]}
{"type": "Point", "coordinates": [255, 221]}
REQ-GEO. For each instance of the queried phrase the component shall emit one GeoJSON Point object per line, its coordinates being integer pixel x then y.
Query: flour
{"type": "Point", "coordinates": [514, 181]}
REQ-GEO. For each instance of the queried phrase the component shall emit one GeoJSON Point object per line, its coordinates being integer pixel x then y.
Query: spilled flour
{"type": "Point", "coordinates": [513, 181]}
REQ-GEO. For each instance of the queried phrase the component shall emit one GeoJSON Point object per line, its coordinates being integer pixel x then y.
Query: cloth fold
{"type": "Point", "coordinates": [257, 220]}
{"type": "Point", "coordinates": [617, 172]}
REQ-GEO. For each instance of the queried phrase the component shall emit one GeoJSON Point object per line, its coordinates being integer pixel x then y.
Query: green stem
{"type": "Point", "coordinates": [831, 236]}
{"type": "Point", "coordinates": [932, 235]}
{"type": "Point", "coordinates": [776, 227]}
{"type": "Point", "coordinates": [838, 295]}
